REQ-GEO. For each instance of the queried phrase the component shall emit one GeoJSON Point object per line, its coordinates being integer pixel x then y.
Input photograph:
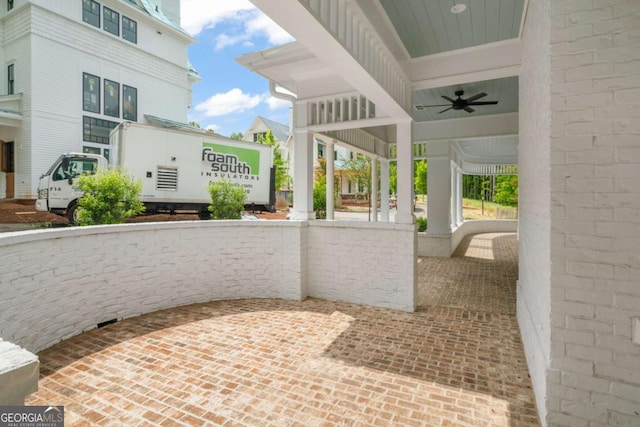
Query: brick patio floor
{"type": "Point", "coordinates": [457, 361]}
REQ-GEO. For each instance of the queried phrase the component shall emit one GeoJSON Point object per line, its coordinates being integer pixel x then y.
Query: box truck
{"type": "Point", "coordinates": [175, 167]}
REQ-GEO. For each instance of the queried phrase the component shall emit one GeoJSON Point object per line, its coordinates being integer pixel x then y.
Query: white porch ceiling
{"type": "Point", "coordinates": [427, 27]}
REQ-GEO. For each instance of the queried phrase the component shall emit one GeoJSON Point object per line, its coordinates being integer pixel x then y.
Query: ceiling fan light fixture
{"type": "Point", "coordinates": [458, 8]}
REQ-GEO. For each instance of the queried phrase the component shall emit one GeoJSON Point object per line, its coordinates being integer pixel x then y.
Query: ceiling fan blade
{"type": "Point", "coordinates": [474, 97]}
{"type": "Point", "coordinates": [447, 98]}
{"type": "Point", "coordinates": [422, 107]}
{"type": "Point", "coordinates": [469, 110]}
{"type": "Point", "coordinates": [446, 109]}
{"type": "Point", "coordinates": [483, 103]}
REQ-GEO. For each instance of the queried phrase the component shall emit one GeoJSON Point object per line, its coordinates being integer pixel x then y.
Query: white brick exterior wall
{"type": "Point", "coordinates": [594, 373]}
{"type": "Point", "coordinates": [533, 302]}
{"type": "Point", "coordinates": [58, 283]}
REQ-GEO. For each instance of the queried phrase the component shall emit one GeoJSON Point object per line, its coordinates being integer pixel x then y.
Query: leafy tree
{"type": "Point", "coordinates": [358, 170]}
{"type": "Point", "coordinates": [279, 164]}
{"type": "Point", "coordinates": [195, 125]}
{"type": "Point", "coordinates": [476, 187]}
{"type": "Point", "coordinates": [320, 198]}
{"type": "Point", "coordinates": [320, 189]}
{"type": "Point", "coordinates": [393, 177]}
{"type": "Point", "coordinates": [227, 200]}
{"type": "Point", "coordinates": [506, 190]}
{"type": "Point", "coordinates": [237, 136]}
{"type": "Point", "coordinates": [110, 197]}
{"type": "Point", "coordinates": [420, 177]}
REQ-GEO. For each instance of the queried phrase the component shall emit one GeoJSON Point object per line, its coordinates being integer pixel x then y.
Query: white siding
{"type": "Point", "coordinates": [17, 50]}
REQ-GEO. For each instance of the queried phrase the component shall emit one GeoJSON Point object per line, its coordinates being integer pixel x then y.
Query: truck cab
{"type": "Point", "coordinates": [56, 190]}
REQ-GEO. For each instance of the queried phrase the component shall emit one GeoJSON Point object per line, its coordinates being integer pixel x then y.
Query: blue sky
{"type": "Point", "coordinates": [230, 97]}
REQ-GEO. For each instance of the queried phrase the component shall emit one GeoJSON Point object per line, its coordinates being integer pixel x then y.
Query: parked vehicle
{"type": "Point", "coordinates": [175, 167]}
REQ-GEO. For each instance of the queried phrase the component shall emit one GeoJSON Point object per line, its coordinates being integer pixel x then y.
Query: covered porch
{"type": "Point", "coordinates": [457, 361]}
{"type": "Point", "coordinates": [357, 96]}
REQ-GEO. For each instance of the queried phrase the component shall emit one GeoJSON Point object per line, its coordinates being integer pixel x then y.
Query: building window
{"type": "Point", "coordinates": [10, 80]}
{"type": "Point", "coordinates": [96, 130]}
{"type": "Point", "coordinates": [8, 153]}
{"type": "Point", "coordinates": [111, 98]}
{"type": "Point", "coordinates": [129, 29]}
{"type": "Point", "coordinates": [111, 21]}
{"type": "Point", "coordinates": [91, 12]}
{"type": "Point", "coordinates": [129, 103]}
{"type": "Point", "coordinates": [9, 5]}
{"type": "Point", "coordinates": [320, 151]}
{"type": "Point", "coordinates": [90, 93]}
{"type": "Point", "coordinates": [90, 150]}
{"type": "Point", "coordinates": [258, 135]}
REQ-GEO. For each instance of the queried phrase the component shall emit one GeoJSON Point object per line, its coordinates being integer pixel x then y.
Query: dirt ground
{"type": "Point", "coordinates": [24, 212]}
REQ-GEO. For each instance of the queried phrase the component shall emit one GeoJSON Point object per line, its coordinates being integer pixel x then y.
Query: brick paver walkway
{"type": "Point", "coordinates": [311, 363]}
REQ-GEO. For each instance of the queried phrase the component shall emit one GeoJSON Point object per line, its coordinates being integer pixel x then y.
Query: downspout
{"type": "Point", "coordinates": [284, 96]}
{"type": "Point", "coordinates": [280, 95]}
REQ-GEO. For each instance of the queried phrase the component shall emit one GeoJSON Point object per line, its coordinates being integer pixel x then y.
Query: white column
{"type": "Point", "coordinates": [459, 197]}
{"type": "Point", "coordinates": [374, 188]}
{"type": "Point", "coordinates": [384, 190]}
{"type": "Point", "coordinates": [454, 200]}
{"type": "Point", "coordinates": [439, 188]}
{"type": "Point", "coordinates": [404, 214]}
{"type": "Point", "coordinates": [329, 157]}
{"type": "Point", "coordinates": [303, 165]}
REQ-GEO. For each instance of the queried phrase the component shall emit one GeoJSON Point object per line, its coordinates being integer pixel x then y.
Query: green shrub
{"type": "Point", "coordinates": [227, 200]}
{"type": "Point", "coordinates": [320, 199]}
{"type": "Point", "coordinates": [422, 224]}
{"type": "Point", "coordinates": [110, 197]}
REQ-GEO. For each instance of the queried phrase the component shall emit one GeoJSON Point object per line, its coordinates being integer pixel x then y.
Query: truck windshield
{"type": "Point", "coordinates": [54, 166]}
{"type": "Point", "coordinates": [71, 167]}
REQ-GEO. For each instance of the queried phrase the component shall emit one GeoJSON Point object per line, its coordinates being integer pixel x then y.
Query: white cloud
{"type": "Point", "coordinates": [247, 21]}
{"type": "Point", "coordinates": [234, 101]}
{"type": "Point", "coordinates": [277, 103]}
{"type": "Point", "coordinates": [224, 40]}
{"type": "Point", "coordinates": [261, 24]}
{"type": "Point", "coordinates": [196, 15]}
{"type": "Point", "coordinates": [212, 127]}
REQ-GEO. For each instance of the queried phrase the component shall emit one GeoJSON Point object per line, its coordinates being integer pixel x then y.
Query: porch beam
{"type": "Point", "coordinates": [487, 62]}
{"type": "Point", "coordinates": [390, 91]}
{"type": "Point", "coordinates": [469, 127]}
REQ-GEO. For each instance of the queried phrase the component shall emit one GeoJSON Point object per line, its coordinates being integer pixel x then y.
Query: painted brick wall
{"type": "Point", "coordinates": [594, 377]}
{"type": "Point", "coordinates": [364, 263]}
{"type": "Point", "coordinates": [58, 283]}
{"type": "Point", "coordinates": [533, 302]}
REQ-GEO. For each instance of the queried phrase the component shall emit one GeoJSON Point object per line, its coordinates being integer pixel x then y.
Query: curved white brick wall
{"type": "Point", "coordinates": [58, 283]}
{"type": "Point", "coordinates": [445, 245]}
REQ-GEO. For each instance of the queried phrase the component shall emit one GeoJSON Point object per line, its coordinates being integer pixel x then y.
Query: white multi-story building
{"type": "Point", "coordinates": [71, 70]}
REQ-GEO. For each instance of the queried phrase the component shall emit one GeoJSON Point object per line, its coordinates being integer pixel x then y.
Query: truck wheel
{"type": "Point", "coordinates": [204, 215]}
{"type": "Point", "coordinates": [72, 213]}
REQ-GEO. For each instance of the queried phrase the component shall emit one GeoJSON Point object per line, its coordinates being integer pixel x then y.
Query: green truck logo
{"type": "Point", "coordinates": [231, 160]}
